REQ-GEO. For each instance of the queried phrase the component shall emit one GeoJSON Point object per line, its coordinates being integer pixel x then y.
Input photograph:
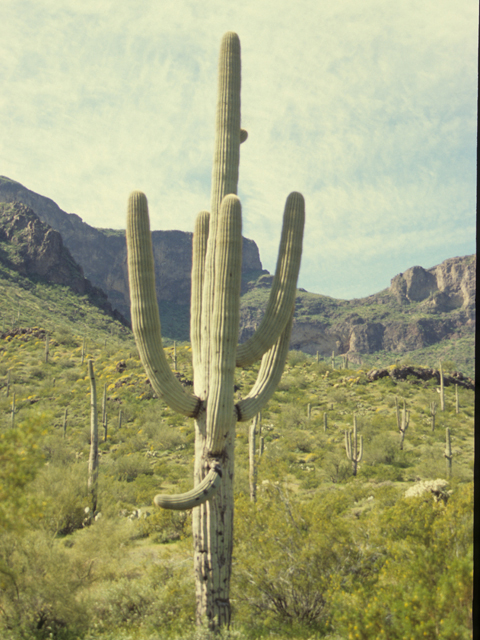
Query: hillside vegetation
{"type": "Point", "coordinates": [323, 553]}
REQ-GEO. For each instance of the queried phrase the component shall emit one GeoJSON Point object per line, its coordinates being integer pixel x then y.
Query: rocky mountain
{"type": "Point", "coordinates": [102, 254]}
{"type": "Point", "coordinates": [34, 249]}
{"type": "Point", "coordinates": [420, 309]}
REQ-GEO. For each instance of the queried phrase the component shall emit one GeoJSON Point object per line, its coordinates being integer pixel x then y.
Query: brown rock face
{"type": "Point", "coordinates": [34, 249]}
{"type": "Point", "coordinates": [102, 253]}
{"type": "Point", "coordinates": [445, 287]}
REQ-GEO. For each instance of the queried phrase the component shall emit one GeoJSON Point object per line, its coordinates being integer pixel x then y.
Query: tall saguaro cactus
{"type": "Point", "coordinates": [354, 454]}
{"type": "Point", "coordinates": [215, 304]}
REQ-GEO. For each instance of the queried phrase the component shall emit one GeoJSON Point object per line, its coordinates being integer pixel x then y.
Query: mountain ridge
{"type": "Point", "coordinates": [420, 309]}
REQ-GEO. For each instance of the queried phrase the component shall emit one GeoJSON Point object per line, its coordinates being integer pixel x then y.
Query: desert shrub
{"type": "Point", "coordinates": [380, 472]}
{"type": "Point", "coordinates": [20, 459]}
{"type": "Point", "coordinates": [62, 492]}
{"type": "Point", "coordinates": [165, 525]}
{"type": "Point", "coordinates": [336, 467]}
{"type": "Point", "coordinates": [38, 598]}
{"type": "Point", "coordinates": [65, 337]}
{"type": "Point", "coordinates": [130, 466]}
{"type": "Point", "coordinates": [158, 598]}
{"type": "Point", "coordinates": [293, 416]}
{"type": "Point", "coordinates": [296, 564]}
{"type": "Point", "coordinates": [37, 372]}
{"type": "Point", "coordinates": [382, 449]}
{"type": "Point", "coordinates": [423, 586]}
{"type": "Point", "coordinates": [296, 357]}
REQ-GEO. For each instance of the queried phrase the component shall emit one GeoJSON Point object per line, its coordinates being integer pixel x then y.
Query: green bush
{"type": "Point", "coordinates": [39, 589]}
{"type": "Point", "coordinates": [289, 561]}
{"type": "Point", "coordinates": [130, 466]}
{"type": "Point", "coordinates": [423, 586]}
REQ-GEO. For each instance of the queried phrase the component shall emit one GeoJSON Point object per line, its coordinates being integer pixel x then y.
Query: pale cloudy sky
{"type": "Point", "coordinates": [367, 107]}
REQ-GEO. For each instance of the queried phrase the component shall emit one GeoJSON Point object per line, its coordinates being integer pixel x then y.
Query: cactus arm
{"type": "Point", "coordinates": [144, 310]}
{"type": "Point", "coordinates": [360, 453]}
{"type": "Point", "coordinates": [348, 444]}
{"type": "Point", "coordinates": [197, 496]}
{"type": "Point", "coordinates": [225, 324]}
{"type": "Point", "coordinates": [282, 294]}
{"type": "Point", "coordinates": [269, 375]}
{"type": "Point", "coordinates": [199, 249]}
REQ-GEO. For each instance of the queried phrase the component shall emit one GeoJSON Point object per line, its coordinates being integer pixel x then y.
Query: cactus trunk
{"type": "Point", "coordinates": [214, 327]}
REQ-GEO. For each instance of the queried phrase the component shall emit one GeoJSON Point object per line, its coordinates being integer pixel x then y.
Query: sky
{"type": "Point", "coordinates": [368, 108]}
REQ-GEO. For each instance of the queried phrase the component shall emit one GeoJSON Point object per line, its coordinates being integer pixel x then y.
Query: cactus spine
{"type": "Point", "coordinates": [215, 300]}
{"type": "Point", "coordinates": [351, 447]}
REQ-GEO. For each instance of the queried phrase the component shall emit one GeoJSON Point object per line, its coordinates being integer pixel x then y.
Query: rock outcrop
{"type": "Point", "coordinates": [445, 287]}
{"type": "Point", "coordinates": [420, 308]}
{"type": "Point", "coordinates": [102, 253]}
{"type": "Point", "coordinates": [34, 249]}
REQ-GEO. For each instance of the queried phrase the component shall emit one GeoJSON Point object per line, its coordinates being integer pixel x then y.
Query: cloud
{"type": "Point", "coordinates": [368, 109]}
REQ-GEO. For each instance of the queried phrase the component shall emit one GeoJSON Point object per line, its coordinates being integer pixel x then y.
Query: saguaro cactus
{"type": "Point", "coordinates": [215, 303]}
{"type": "Point", "coordinates": [442, 389]}
{"type": "Point", "coordinates": [351, 448]}
{"type": "Point", "coordinates": [404, 425]}
{"type": "Point", "coordinates": [433, 413]}
{"type": "Point", "coordinates": [448, 452]}
{"type": "Point", "coordinates": [93, 459]}
{"type": "Point", "coordinates": [252, 451]}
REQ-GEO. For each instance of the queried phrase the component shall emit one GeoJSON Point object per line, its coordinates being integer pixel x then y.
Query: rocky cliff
{"type": "Point", "coordinates": [422, 307]}
{"type": "Point", "coordinates": [34, 249]}
{"type": "Point", "coordinates": [103, 256]}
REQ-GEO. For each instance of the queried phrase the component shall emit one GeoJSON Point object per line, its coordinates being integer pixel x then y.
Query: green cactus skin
{"type": "Point", "coordinates": [214, 327]}
{"type": "Point", "coordinates": [351, 448]}
{"type": "Point", "coordinates": [202, 492]}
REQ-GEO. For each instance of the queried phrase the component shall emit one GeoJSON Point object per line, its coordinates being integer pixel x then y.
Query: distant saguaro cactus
{"type": "Point", "coordinates": [351, 447]}
{"type": "Point", "coordinates": [252, 449]}
{"type": "Point", "coordinates": [214, 328]}
{"type": "Point", "coordinates": [404, 424]}
{"type": "Point", "coordinates": [448, 452]}
{"type": "Point", "coordinates": [433, 413]}
{"type": "Point", "coordinates": [93, 459]}
{"type": "Point", "coordinates": [442, 389]}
